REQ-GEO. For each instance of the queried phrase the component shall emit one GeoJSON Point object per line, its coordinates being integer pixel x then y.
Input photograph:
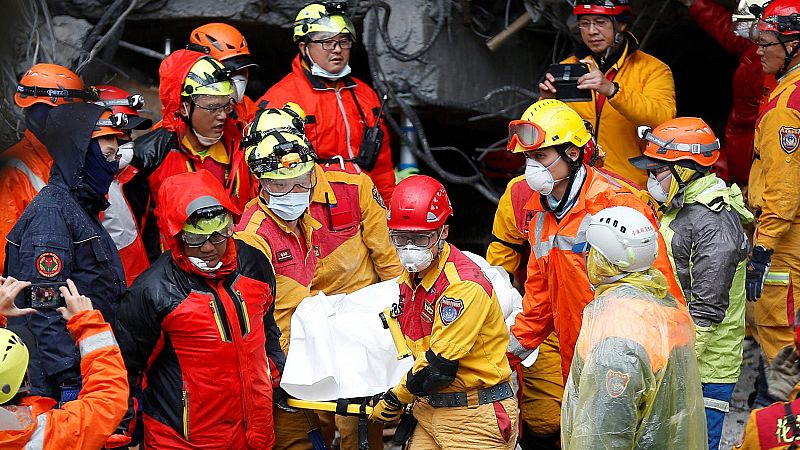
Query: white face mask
{"type": "Point", "coordinates": [318, 71]}
{"type": "Point", "coordinates": [240, 81]}
{"type": "Point", "coordinates": [415, 259]}
{"type": "Point", "coordinates": [206, 141]}
{"type": "Point", "coordinates": [539, 177]}
{"type": "Point", "coordinates": [203, 265]}
{"type": "Point", "coordinates": [655, 189]}
{"type": "Point", "coordinates": [290, 206]}
{"type": "Point", "coordinates": [125, 154]}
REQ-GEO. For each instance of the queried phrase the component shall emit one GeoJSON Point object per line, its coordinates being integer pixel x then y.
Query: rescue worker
{"type": "Point", "coordinates": [34, 422]}
{"type": "Point", "coordinates": [340, 108]}
{"type": "Point", "coordinates": [750, 85]}
{"type": "Point", "coordinates": [702, 226]}
{"type": "Point", "coordinates": [60, 236]}
{"type": "Point", "coordinates": [453, 325]}
{"type": "Point", "coordinates": [553, 137]}
{"type": "Point", "coordinates": [773, 272]}
{"type": "Point", "coordinates": [227, 45]}
{"type": "Point", "coordinates": [629, 87]}
{"type": "Point", "coordinates": [118, 218]}
{"type": "Point", "coordinates": [199, 326]}
{"type": "Point", "coordinates": [25, 166]}
{"type": "Point", "coordinates": [197, 132]}
{"type": "Point", "coordinates": [276, 224]}
{"type": "Point", "coordinates": [634, 381]}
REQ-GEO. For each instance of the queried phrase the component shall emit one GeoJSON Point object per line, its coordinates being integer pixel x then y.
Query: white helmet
{"type": "Point", "coordinates": [624, 237]}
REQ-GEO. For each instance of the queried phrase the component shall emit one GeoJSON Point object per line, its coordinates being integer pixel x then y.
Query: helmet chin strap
{"type": "Point", "coordinates": [789, 57]}
{"type": "Point", "coordinates": [614, 45]}
{"type": "Point", "coordinates": [574, 165]}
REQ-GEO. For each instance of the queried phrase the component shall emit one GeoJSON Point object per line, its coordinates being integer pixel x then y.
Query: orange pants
{"type": "Point", "coordinates": [489, 426]}
{"type": "Point", "coordinates": [542, 389]}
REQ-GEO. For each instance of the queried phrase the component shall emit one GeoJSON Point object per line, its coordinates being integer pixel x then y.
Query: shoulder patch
{"type": "Point", "coordinates": [450, 309]}
{"type": "Point", "coordinates": [377, 196]}
{"type": "Point", "coordinates": [790, 139]}
{"type": "Point", "coordinates": [616, 382]}
{"type": "Point", "coordinates": [48, 264]}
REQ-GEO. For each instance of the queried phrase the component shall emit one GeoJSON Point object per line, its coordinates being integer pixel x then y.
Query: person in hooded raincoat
{"type": "Point", "coordinates": [634, 381]}
{"type": "Point", "coordinates": [60, 236]}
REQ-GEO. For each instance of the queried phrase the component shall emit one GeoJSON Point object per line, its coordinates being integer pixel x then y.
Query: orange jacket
{"type": "Point", "coordinates": [557, 288]}
{"type": "Point", "coordinates": [246, 110]}
{"type": "Point", "coordinates": [87, 422]}
{"type": "Point", "coordinates": [770, 428]}
{"type": "Point", "coordinates": [120, 222]}
{"type": "Point", "coordinates": [24, 170]}
{"type": "Point", "coordinates": [334, 123]}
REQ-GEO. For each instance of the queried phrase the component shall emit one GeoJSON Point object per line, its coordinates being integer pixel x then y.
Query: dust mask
{"type": "Point", "coordinates": [206, 141]}
{"type": "Point", "coordinates": [318, 71]}
{"type": "Point", "coordinates": [290, 206]}
{"type": "Point", "coordinates": [539, 177]}
{"type": "Point", "coordinates": [415, 259]}
{"type": "Point", "coordinates": [126, 154]}
{"type": "Point", "coordinates": [202, 265]}
{"type": "Point", "coordinates": [655, 189]}
{"type": "Point", "coordinates": [240, 81]}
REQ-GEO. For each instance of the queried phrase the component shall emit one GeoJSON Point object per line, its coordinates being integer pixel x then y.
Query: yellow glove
{"type": "Point", "coordinates": [388, 409]}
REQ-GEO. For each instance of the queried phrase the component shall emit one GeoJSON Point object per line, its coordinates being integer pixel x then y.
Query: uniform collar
{"type": "Point", "coordinates": [323, 192]}
{"type": "Point", "coordinates": [789, 79]}
{"type": "Point", "coordinates": [427, 281]}
{"type": "Point", "coordinates": [306, 221]}
{"type": "Point", "coordinates": [300, 66]}
{"type": "Point", "coordinates": [217, 151]}
{"type": "Point", "coordinates": [535, 202]}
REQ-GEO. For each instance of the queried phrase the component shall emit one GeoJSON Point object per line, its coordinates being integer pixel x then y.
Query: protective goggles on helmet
{"type": "Point", "coordinates": [277, 187]}
{"type": "Point", "coordinates": [213, 224]}
{"type": "Point", "coordinates": [415, 238]}
{"type": "Point", "coordinates": [116, 120]}
{"type": "Point", "coordinates": [526, 134]}
{"type": "Point", "coordinates": [707, 150]}
{"type": "Point", "coordinates": [135, 101]}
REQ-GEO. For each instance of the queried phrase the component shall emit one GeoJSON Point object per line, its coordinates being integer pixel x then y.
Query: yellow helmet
{"type": "Point", "coordinates": [208, 77]}
{"type": "Point", "coordinates": [274, 148]}
{"type": "Point", "coordinates": [547, 123]}
{"type": "Point", "coordinates": [291, 118]}
{"type": "Point", "coordinates": [327, 18]}
{"type": "Point", "coordinates": [14, 357]}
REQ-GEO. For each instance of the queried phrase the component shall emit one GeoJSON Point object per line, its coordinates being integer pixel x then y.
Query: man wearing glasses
{"type": "Point", "coordinates": [199, 326]}
{"type": "Point", "coordinates": [629, 87]}
{"type": "Point", "coordinates": [197, 132]}
{"type": "Point", "coordinates": [340, 108]}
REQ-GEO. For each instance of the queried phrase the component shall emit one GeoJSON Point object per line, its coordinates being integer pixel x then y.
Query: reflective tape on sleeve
{"type": "Point", "coordinates": [96, 342]}
{"type": "Point", "coordinates": [719, 405]}
{"type": "Point", "coordinates": [780, 278]}
{"type": "Point", "coordinates": [36, 441]}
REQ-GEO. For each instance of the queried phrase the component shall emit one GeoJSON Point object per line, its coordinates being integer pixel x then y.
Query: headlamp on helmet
{"type": "Point", "coordinates": [135, 101]}
{"type": "Point", "coordinates": [278, 154]}
{"type": "Point", "coordinates": [326, 18]}
{"type": "Point", "coordinates": [208, 76]}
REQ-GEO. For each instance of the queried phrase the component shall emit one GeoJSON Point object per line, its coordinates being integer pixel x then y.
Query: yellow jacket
{"type": "Point", "coordinates": [646, 96]}
{"type": "Point", "coordinates": [775, 174]}
{"type": "Point", "coordinates": [509, 242]}
{"type": "Point", "coordinates": [454, 312]}
{"type": "Point", "coordinates": [355, 250]}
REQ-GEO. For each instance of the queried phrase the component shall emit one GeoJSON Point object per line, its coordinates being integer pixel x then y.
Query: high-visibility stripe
{"type": "Point", "coordinates": [719, 405]}
{"type": "Point", "coordinates": [34, 179]}
{"type": "Point", "coordinates": [36, 441]}
{"type": "Point", "coordinates": [575, 244]}
{"type": "Point", "coordinates": [781, 278]}
{"type": "Point", "coordinates": [96, 342]}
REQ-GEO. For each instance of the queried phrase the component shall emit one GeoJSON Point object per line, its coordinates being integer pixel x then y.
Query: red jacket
{"type": "Point", "coordinates": [120, 222]}
{"type": "Point", "coordinates": [334, 123]}
{"type": "Point", "coordinates": [207, 343]}
{"type": "Point", "coordinates": [750, 87]}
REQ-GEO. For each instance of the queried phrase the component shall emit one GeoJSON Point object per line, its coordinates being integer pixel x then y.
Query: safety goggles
{"type": "Point", "coordinates": [195, 240]}
{"type": "Point", "coordinates": [214, 103]}
{"type": "Point", "coordinates": [135, 101]}
{"type": "Point", "coordinates": [116, 120]}
{"type": "Point", "coordinates": [646, 133]}
{"type": "Point", "coordinates": [281, 187]}
{"type": "Point", "coordinates": [213, 224]}
{"type": "Point", "coordinates": [415, 238]}
{"type": "Point", "coordinates": [527, 135]}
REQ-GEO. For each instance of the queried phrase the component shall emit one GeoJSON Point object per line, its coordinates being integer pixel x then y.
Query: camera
{"type": "Point", "coordinates": [44, 296]}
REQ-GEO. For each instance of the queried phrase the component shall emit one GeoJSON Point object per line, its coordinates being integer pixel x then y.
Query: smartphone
{"type": "Point", "coordinates": [44, 296]}
{"type": "Point", "coordinates": [566, 82]}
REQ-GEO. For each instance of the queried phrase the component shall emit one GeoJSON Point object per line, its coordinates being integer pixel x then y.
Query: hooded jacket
{"type": "Point", "coordinates": [708, 246]}
{"type": "Point", "coordinates": [60, 236]}
{"type": "Point", "coordinates": [161, 153]}
{"type": "Point", "coordinates": [206, 342]}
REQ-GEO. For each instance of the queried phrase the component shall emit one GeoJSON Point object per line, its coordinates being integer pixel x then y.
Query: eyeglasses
{"type": "Point", "coordinates": [415, 238]}
{"type": "Point", "coordinates": [600, 22]}
{"type": "Point", "coordinates": [658, 171]}
{"type": "Point", "coordinates": [330, 44]}
{"type": "Point", "coordinates": [279, 188]}
{"type": "Point", "coordinates": [767, 44]}
{"type": "Point", "coordinates": [194, 240]}
{"type": "Point", "coordinates": [528, 135]}
{"type": "Point", "coordinates": [213, 104]}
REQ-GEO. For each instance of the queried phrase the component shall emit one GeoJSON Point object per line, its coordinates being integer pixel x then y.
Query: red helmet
{"type": "Point", "coordinates": [781, 16]}
{"type": "Point", "coordinates": [419, 203]}
{"type": "Point", "coordinates": [121, 101]}
{"type": "Point", "coordinates": [602, 7]}
{"type": "Point", "coordinates": [50, 84]}
{"type": "Point", "coordinates": [223, 43]}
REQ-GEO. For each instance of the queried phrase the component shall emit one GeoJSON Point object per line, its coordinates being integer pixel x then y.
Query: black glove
{"type": "Point", "coordinates": [757, 270]}
{"type": "Point", "coordinates": [279, 399]}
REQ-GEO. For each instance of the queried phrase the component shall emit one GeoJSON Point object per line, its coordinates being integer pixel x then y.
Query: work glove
{"type": "Point", "coordinates": [783, 373]}
{"type": "Point", "coordinates": [757, 270]}
{"type": "Point", "coordinates": [389, 408]}
{"type": "Point", "coordinates": [280, 400]}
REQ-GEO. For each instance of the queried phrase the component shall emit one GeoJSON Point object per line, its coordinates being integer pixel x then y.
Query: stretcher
{"type": "Point", "coordinates": [344, 407]}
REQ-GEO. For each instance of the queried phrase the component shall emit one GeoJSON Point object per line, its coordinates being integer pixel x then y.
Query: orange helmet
{"type": "Point", "coordinates": [223, 43]}
{"type": "Point", "coordinates": [687, 141]}
{"type": "Point", "coordinates": [110, 124]}
{"type": "Point", "coordinates": [50, 84]}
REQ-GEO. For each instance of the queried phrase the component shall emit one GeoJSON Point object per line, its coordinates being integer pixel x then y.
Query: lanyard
{"type": "Point", "coordinates": [600, 102]}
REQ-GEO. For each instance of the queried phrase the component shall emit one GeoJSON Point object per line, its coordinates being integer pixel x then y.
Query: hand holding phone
{"type": "Point", "coordinates": [44, 296]}
{"type": "Point", "coordinates": [9, 290]}
{"type": "Point", "coordinates": [74, 300]}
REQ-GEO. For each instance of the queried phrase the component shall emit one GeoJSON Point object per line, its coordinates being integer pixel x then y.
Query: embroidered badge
{"type": "Point", "coordinates": [48, 264]}
{"type": "Point", "coordinates": [316, 251]}
{"type": "Point", "coordinates": [450, 309]}
{"type": "Point", "coordinates": [284, 255]}
{"type": "Point", "coordinates": [427, 311]}
{"type": "Point", "coordinates": [790, 139]}
{"type": "Point", "coordinates": [377, 196]}
{"type": "Point", "coordinates": [616, 382]}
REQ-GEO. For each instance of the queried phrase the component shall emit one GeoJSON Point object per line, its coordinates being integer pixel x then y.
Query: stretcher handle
{"type": "Point", "coordinates": [389, 320]}
{"type": "Point", "coordinates": [353, 408]}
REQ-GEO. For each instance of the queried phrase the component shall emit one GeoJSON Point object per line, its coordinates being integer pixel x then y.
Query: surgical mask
{"type": "Point", "coordinates": [318, 71]}
{"type": "Point", "coordinates": [539, 177]}
{"type": "Point", "coordinates": [415, 259]}
{"type": "Point", "coordinates": [202, 265]}
{"type": "Point", "coordinates": [290, 206]}
{"type": "Point", "coordinates": [655, 189]}
{"type": "Point", "coordinates": [126, 154]}
{"type": "Point", "coordinates": [240, 81]}
{"type": "Point", "coordinates": [206, 141]}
